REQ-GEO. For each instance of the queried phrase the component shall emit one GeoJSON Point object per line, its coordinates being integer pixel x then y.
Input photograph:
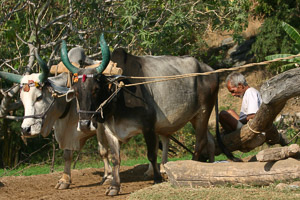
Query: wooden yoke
{"type": "Point", "coordinates": [275, 92]}
{"type": "Point", "coordinates": [111, 69]}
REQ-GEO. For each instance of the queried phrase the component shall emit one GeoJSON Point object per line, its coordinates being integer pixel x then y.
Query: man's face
{"type": "Point", "coordinates": [237, 91]}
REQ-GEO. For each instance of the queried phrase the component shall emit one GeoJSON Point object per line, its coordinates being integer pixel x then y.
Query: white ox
{"type": "Point", "coordinates": [45, 110]}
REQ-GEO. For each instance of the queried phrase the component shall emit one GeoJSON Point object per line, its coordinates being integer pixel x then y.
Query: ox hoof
{"type": "Point", "coordinates": [148, 175]}
{"type": "Point", "coordinates": [158, 179]}
{"type": "Point", "coordinates": [164, 176]}
{"type": "Point", "coordinates": [106, 180]}
{"type": "Point", "coordinates": [112, 191]}
{"type": "Point", "coordinates": [61, 185]}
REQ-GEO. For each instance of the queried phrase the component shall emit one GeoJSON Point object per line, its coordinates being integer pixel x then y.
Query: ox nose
{"type": "Point", "coordinates": [26, 131]}
{"type": "Point", "coordinates": [85, 124]}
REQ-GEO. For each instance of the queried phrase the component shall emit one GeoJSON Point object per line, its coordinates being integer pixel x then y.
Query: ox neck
{"type": "Point", "coordinates": [66, 111]}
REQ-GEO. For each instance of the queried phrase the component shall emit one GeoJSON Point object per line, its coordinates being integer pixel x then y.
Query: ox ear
{"type": "Point", "coordinates": [70, 95]}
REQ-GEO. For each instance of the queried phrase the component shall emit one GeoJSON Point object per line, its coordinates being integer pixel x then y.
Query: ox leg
{"type": "Point", "coordinates": [149, 172]}
{"type": "Point", "coordinates": [65, 181]}
{"type": "Point", "coordinates": [151, 140]}
{"type": "Point", "coordinates": [165, 148]}
{"type": "Point", "coordinates": [103, 150]}
{"type": "Point", "coordinates": [211, 148]}
{"type": "Point", "coordinates": [200, 124]}
{"type": "Point", "coordinates": [114, 145]}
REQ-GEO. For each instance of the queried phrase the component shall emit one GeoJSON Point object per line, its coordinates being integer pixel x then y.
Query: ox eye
{"type": "Point", "coordinates": [39, 98]}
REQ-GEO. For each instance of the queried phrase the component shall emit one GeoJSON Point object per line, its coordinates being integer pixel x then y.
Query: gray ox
{"type": "Point", "coordinates": [152, 109]}
{"type": "Point", "coordinates": [38, 95]}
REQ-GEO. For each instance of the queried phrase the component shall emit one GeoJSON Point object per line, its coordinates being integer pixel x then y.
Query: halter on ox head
{"type": "Point", "coordinates": [34, 100]}
{"type": "Point", "coordinates": [90, 88]}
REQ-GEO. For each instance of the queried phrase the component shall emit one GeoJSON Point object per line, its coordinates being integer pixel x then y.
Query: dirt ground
{"type": "Point", "coordinates": [85, 185]}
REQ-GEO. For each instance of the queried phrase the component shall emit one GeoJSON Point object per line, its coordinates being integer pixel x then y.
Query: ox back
{"type": "Point", "coordinates": [173, 102]}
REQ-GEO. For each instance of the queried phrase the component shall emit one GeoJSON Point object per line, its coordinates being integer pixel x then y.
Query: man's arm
{"type": "Point", "coordinates": [246, 119]}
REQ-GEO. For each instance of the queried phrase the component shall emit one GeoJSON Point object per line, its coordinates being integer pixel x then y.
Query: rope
{"type": "Point", "coordinates": [254, 131]}
{"type": "Point", "coordinates": [62, 95]}
{"type": "Point", "coordinates": [167, 78]}
{"type": "Point", "coordinates": [258, 132]}
{"type": "Point", "coordinates": [100, 108]}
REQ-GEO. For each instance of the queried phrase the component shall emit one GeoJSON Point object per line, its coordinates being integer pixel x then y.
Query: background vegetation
{"type": "Point", "coordinates": [143, 27]}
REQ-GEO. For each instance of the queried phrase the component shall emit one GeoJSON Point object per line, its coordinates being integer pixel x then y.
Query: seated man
{"type": "Point", "coordinates": [238, 87]}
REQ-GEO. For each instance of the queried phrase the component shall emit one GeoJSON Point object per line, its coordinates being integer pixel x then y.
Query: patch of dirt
{"type": "Point", "coordinates": [215, 38]}
{"type": "Point", "coordinates": [85, 185]}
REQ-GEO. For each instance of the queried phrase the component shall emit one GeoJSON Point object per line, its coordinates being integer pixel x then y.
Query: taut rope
{"type": "Point", "coordinates": [167, 78]}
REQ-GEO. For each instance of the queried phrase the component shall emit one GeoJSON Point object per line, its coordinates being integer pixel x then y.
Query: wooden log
{"type": "Point", "coordinates": [111, 69]}
{"type": "Point", "coordinates": [278, 153]}
{"type": "Point", "coordinates": [275, 92]}
{"type": "Point", "coordinates": [193, 173]}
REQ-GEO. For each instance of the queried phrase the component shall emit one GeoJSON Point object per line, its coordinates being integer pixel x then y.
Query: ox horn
{"type": "Point", "coordinates": [105, 55]}
{"type": "Point", "coordinates": [15, 78]}
{"type": "Point", "coordinates": [65, 58]}
{"type": "Point", "coordinates": [45, 70]}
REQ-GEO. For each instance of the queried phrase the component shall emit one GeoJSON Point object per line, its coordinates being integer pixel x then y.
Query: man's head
{"type": "Point", "coordinates": [236, 84]}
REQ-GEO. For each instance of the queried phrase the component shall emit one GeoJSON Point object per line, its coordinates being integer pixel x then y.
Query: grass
{"type": "Point", "coordinates": [35, 169]}
{"type": "Point", "coordinates": [28, 170]}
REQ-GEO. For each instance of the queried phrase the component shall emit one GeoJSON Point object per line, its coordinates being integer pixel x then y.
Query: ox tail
{"type": "Point", "coordinates": [219, 139]}
{"type": "Point", "coordinates": [180, 144]}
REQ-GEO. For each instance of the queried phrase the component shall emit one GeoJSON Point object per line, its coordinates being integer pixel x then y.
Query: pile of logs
{"type": "Point", "coordinates": [275, 164]}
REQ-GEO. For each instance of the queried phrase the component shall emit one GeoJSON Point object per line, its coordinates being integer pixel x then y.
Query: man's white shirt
{"type": "Point", "coordinates": [251, 102]}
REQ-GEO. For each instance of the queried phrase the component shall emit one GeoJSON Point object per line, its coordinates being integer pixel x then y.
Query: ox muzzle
{"type": "Point", "coordinates": [89, 123]}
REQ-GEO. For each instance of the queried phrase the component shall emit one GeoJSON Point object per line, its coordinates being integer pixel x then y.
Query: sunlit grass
{"type": "Point", "coordinates": [35, 169]}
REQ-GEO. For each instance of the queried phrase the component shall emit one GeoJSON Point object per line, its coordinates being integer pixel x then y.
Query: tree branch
{"type": "Point", "coordinates": [7, 96]}
{"type": "Point", "coordinates": [14, 10]}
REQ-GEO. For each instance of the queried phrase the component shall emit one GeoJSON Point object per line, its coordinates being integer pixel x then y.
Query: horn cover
{"type": "Point", "coordinates": [45, 70]}
{"type": "Point", "coordinates": [15, 78]}
{"type": "Point", "coordinates": [65, 58]}
{"type": "Point", "coordinates": [105, 54]}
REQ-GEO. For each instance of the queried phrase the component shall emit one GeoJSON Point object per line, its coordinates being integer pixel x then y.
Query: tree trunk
{"type": "Point", "coordinates": [193, 173]}
{"type": "Point", "coordinates": [11, 146]}
{"type": "Point", "coordinates": [279, 153]}
{"type": "Point", "coordinates": [275, 92]}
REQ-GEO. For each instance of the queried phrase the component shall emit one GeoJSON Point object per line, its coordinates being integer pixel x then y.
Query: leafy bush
{"type": "Point", "coordinates": [291, 63]}
{"type": "Point", "coordinates": [272, 39]}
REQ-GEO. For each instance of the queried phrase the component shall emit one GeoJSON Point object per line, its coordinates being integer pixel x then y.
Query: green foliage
{"type": "Point", "coordinates": [176, 27]}
{"type": "Point", "coordinates": [281, 9]}
{"type": "Point", "coordinates": [294, 62]}
{"type": "Point", "coordinates": [289, 126]}
{"type": "Point", "coordinates": [272, 39]}
{"type": "Point", "coordinates": [186, 136]}
{"type": "Point", "coordinates": [135, 148]}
